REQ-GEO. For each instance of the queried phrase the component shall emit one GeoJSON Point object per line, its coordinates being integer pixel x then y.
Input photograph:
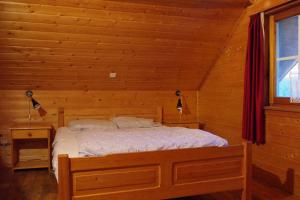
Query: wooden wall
{"type": "Point", "coordinates": [221, 95]}
{"type": "Point", "coordinates": [74, 45]}
{"type": "Point", "coordinates": [279, 159]}
{"type": "Point", "coordinates": [277, 162]}
{"type": "Point", "coordinates": [14, 106]}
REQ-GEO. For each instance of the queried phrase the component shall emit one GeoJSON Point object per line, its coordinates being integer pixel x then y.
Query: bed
{"type": "Point", "coordinates": [157, 174]}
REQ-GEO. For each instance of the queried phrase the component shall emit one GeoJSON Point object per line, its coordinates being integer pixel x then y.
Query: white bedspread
{"type": "Point", "coordinates": [64, 143]}
{"type": "Point", "coordinates": [100, 143]}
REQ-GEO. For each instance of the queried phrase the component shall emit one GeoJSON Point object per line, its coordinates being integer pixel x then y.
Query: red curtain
{"type": "Point", "coordinates": [253, 111]}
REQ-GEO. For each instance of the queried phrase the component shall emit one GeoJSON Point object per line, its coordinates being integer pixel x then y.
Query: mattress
{"type": "Point", "coordinates": [96, 142]}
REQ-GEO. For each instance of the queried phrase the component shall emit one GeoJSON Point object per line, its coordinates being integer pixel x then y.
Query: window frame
{"type": "Point", "coordinates": [272, 19]}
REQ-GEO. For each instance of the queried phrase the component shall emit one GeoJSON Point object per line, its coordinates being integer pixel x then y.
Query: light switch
{"type": "Point", "coordinates": [112, 75]}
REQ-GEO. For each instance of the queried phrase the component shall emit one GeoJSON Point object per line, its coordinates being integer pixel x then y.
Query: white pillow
{"type": "Point", "coordinates": [92, 124]}
{"type": "Point", "coordinates": [133, 122]}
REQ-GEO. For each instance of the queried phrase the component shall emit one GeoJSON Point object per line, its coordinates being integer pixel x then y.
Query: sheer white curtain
{"type": "Point", "coordinates": [295, 86]}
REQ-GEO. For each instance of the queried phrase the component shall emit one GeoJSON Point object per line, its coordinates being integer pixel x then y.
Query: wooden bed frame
{"type": "Point", "coordinates": [151, 175]}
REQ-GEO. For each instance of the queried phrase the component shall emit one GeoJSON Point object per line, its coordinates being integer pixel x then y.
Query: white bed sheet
{"type": "Point", "coordinates": [96, 142]}
{"type": "Point", "coordinates": [65, 142]}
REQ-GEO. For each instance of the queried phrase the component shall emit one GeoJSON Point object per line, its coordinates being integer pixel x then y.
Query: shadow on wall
{"type": "Point", "coordinates": [268, 178]}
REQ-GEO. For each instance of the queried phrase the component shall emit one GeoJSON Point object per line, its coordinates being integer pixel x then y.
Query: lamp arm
{"type": "Point", "coordinates": [29, 109]}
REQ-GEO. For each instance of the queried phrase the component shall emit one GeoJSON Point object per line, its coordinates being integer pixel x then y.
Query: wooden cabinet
{"type": "Point", "coordinates": [195, 125]}
{"type": "Point", "coordinates": [31, 136]}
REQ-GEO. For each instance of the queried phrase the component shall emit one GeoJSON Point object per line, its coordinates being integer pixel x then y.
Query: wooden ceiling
{"type": "Point", "coordinates": [75, 44]}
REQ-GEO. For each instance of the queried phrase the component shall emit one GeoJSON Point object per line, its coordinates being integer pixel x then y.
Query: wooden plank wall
{"type": "Point", "coordinates": [278, 161]}
{"type": "Point", "coordinates": [222, 92]}
{"type": "Point", "coordinates": [150, 44]}
{"type": "Point", "coordinates": [14, 106]}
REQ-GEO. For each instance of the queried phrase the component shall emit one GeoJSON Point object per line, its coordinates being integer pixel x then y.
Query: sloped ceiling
{"type": "Point", "coordinates": [75, 44]}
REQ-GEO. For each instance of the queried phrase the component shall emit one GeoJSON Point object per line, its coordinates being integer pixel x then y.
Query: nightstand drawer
{"type": "Point", "coordinates": [27, 134]}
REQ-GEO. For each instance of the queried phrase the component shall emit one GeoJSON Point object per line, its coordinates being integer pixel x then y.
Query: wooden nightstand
{"type": "Point", "coordinates": [195, 125]}
{"type": "Point", "coordinates": [30, 136]}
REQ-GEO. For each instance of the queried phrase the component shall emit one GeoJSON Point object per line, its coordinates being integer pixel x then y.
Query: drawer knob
{"type": "Point", "coordinates": [29, 134]}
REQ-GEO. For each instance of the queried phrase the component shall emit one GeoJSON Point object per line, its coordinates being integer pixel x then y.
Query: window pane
{"type": "Point", "coordinates": [287, 37]}
{"type": "Point", "coordinates": [284, 69]}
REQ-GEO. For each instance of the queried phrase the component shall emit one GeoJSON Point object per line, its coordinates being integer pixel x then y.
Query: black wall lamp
{"type": "Point", "coordinates": [35, 105]}
{"type": "Point", "coordinates": [179, 101]}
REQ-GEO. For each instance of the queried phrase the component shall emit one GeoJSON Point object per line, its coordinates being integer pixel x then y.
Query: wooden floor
{"type": "Point", "coordinates": [38, 185]}
{"type": "Point", "coordinates": [28, 185]}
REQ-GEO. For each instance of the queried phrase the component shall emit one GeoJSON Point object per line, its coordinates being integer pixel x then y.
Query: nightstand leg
{"type": "Point", "coordinates": [14, 155]}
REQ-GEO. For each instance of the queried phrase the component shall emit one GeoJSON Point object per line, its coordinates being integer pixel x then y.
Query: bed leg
{"type": "Point", "coordinates": [247, 171]}
{"type": "Point", "coordinates": [64, 181]}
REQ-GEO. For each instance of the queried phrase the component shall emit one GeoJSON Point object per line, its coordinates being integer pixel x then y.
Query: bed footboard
{"type": "Point", "coordinates": [156, 175]}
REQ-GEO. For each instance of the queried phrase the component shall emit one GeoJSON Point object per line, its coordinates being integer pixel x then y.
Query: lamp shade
{"type": "Point", "coordinates": [179, 104]}
{"type": "Point", "coordinates": [35, 104]}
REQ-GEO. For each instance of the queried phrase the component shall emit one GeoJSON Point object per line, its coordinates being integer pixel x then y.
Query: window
{"type": "Point", "coordinates": [284, 54]}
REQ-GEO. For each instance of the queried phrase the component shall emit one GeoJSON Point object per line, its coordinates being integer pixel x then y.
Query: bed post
{"type": "Point", "coordinates": [159, 114]}
{"type": "Point", "coordinates": [64, 181]}
{"type": "Point", "coordinates": [247, 171]}
{"type": "Point", "coordinates": [61, 113]}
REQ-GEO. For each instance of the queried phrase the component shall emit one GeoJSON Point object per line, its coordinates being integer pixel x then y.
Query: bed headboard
{"type": "Point", "coordinates": [66, 114]}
